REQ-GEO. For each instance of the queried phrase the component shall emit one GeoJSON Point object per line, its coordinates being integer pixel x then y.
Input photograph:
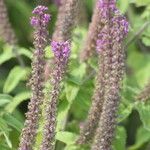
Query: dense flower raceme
{"type": "Point", "coordinates": [118, 30]}
{"type": "Point", "coordinates": [61, 52]}
{"type": "Point", "coordinates": [110, 42]}
{"type": "Point", "coordinates": [94, 29]}
{"type": "Point", "coordinates": [63, 32]}
{"type": "Point", "coordinates": [41, 19]}
{"type": "Point", "coordinates": [6, 31]}
{"type": "Point", "coordinates": [66, 20]}
{"type": "Point", "coordinates": [39, 22]}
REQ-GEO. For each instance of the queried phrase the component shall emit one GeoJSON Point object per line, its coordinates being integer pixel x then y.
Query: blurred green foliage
{"type": "Point", "coordinates": [75, 99]}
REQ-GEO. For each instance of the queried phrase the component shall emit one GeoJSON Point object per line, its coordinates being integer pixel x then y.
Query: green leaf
{"type": "Point", "coordinates": [66, 137]}
{"type": "Point", "coordinates": [13, 122]}
{"type": "Point", "coordinates": [71, 92]}
{"type": "Point", "coordinates": [124, 111]}
{"type": "Point", "coordinates": [146, 40]}
{"type": "Point", "coordinates": [123, 5]}
{"type": "Point", "coordinates": [5, 131]}
{"type": "Point", "coordinates": [144, 112]}
{"type": "Point", "coordinates": [4, 99]}
{"type": "Point", "coordinates": [48, 52]}
{"type": "Point", "coordinates": [15, 76]}
{"type": "Point", "coordinates": [142, 2]}
{"type": "Point", "coordinates": [17, 100]}
{"type": "Point", "coordinates": [120, 139]}
{"type": "Point", "coordinates": [140, 67]}
{"type": "Point", "coordinates": [63, 109]}
{"type": "Point", "coordinates": [7, 54]}
{"type": "Point", "coordinates": [142, 137]}
{"type": "Point", "coordinates": [25, 52]}
{"type": "Point", "coordinates": [7, 139]}
{"type": "Point", "coordinates": [77, 73]}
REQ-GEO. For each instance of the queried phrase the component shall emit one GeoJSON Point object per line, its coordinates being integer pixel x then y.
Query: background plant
{"type": "Point", "coordinates": [133, 131]}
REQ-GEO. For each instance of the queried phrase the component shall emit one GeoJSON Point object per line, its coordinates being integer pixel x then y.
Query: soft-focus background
{"type": "Point", "coordinates": [133, 130]}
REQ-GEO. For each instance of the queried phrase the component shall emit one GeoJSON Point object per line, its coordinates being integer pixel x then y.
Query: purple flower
{"type": "Point", "coordinates": [107, 4]}
{"type": "Point", "coordinates": [110, 46]}
{"type": "Point", "coordinates": [111, 14]}
{"type": "Point", "coordinates": [39, 10]}
{"type": "Point", "coordinates": [61, 50]}
{"type": "Point", "coordinates": [39, 22]}
{"type": "Point", "coordinates": [41, 18]}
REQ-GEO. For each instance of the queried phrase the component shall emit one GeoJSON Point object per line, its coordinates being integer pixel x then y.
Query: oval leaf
{"type": "Point", "coordinates": [14, 77]}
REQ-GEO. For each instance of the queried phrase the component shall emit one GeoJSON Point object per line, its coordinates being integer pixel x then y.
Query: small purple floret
{"type": "Point", "coordinates": [39, 10]}
{"type": "Point", "coordinates": [61, 50]}
{"type": "Point", "coordinates": [111, 15]}
{"type": "Point", "coordinates": [40, 18]}
{"type": "Point", "coordinates": [107, 3]}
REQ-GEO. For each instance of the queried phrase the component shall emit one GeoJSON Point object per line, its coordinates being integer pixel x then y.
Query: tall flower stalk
{"type": "Point", "coordinates": [88, 130]}
{"type": "Point", "coordinates": [66, 20]}
{"type": "Point", "coordinates": [94, 29]}
{"type": "Point", "coordinates": [111, 41]}
{"type": "Point", "coordinates": [61, 48]}
{"type": "Point", "coordinates": [61, 52]}
{"type": "Point", "coordinates": [6, 32]}
{"type": "Point", "coordinates": [39, 22]}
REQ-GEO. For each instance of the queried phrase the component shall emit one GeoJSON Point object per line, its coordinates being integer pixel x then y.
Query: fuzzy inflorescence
{"type": "Point", "coordinates": [110, 47]}
{"type": "Point", "coordinates": [87, 132]}
{"type": "Point", "coordinates": [39, 22]}
{"type": "Point", "coordinates": [61, 52]}
{"type": "Point", "coordinates": [104, 43]}
{"type": "Point", "coordinates": [65, 23]}
{"type": "Point", "coordinates": [61, 49]}
{"type": "Point", "coordinates": [66, 20]}
{"type": "Point", "coordinates": [94, 29]}
{"type": "Point", "coordinates": [6, 32]}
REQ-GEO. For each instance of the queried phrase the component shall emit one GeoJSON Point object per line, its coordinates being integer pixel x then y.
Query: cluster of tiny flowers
{"type": "Point", "coordinates": [106, 6]}
{"type": "Point", "coordinates": [61, 50]}
{"type": "Point", "coordinates": [6, 32]}
{"type": "Point", "coordinates": [94, 28]}
{"type": "Point", "coordinates": [122, 22]}
{"type": "Point", "coordinates": [41, 18]}
{"type": "Point", "coordinates": [123, 26]}
{"type": "Point", "coordinates": [66, 20]}
{"type": "Point", "coordinates": [109, 46]}
{"type": "Point", "coordinates": [39, 22]}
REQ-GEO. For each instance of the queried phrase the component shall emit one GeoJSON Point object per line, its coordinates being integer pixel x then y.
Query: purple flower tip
{"type": "Point", "coordinates": [61, 49]}
{"type": "Point", "coordinates": [39, 10]}
{"type": "Point", "coordinates": [125, 24]}
{"type": "Point", "coordinates": [119, 25]}
{"type": "Point", "coordinates": [107, 3]}
{"type": "Point", "coordinates": [41, 18]}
